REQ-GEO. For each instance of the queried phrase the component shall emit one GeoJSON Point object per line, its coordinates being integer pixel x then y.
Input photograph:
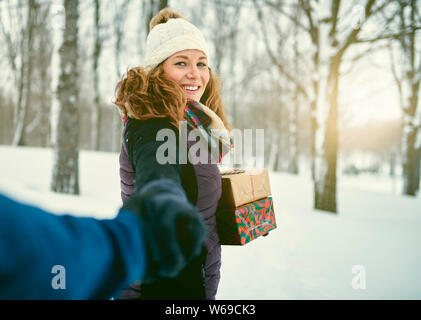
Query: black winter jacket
{"type": "Point", "coordinates": [202, 185]}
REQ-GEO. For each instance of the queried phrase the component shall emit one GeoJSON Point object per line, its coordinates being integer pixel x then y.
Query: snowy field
{"type": "Point", "coordinates": [311, 255]}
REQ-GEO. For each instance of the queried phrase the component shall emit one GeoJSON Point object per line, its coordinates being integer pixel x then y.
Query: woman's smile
{"type": "Point", "coordinates": [191, 89]}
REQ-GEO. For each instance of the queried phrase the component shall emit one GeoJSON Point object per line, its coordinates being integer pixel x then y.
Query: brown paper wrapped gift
{"type": "Point", "coordinates": [243, 186]}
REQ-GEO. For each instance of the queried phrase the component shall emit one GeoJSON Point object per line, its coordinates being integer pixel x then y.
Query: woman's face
{"type": "Point", "coordinates": [189, 68]}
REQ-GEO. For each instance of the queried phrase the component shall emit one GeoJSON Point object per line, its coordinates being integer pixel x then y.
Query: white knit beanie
{"type": "Point", "coordinates": [170, 37]}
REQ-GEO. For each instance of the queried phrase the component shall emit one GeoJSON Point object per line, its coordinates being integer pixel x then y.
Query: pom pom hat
{"type": "Point", "coordinates": [170, 37]}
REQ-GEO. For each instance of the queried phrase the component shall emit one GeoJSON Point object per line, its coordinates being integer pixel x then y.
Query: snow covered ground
{"type": "Point", "coordinates": [311, 255]}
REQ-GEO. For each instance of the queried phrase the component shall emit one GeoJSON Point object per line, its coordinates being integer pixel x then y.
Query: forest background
{"type": "Point", "coordinates": [334, 84]}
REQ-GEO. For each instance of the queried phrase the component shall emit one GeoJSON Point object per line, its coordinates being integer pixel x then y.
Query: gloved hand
{"type": "Point", "coordinates": [173, 230]}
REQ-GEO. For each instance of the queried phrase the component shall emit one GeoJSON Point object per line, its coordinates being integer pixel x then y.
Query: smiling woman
{"type": "Point", "coordinates": [189, 69]}
{"type": "Point", "coordinates": [175, 85]}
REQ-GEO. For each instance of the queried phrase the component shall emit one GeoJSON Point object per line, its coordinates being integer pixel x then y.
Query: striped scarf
{"type": "Point", "coordinates": [197, 118]}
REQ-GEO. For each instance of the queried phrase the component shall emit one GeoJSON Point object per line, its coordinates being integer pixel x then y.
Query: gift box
{"type": "Point", "coordinates": [244, 186]}
{"type": "Point", "coordinates": [238, 226]}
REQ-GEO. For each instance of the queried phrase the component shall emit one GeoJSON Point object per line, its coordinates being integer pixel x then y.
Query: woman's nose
{"type": "Point", "coordinates": [193, 72]}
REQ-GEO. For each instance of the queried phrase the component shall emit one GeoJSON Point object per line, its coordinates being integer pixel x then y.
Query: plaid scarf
{"type": "Point", "coordinates": [218, 140]}
{"type": "Point", "coordinates": [198, 119]}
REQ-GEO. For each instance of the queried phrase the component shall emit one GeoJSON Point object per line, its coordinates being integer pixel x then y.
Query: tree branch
{"type": "Point", "coordinates": [335, 4]}
{"type": "Point", "coordinates": [295, 20]}
{"type": "Point", "coordinates": [272, 56]}
{"type": "Point", "coordinates": [388, 36]}
{"type": "Point", "coordinates": [371, 48]}
{"type": "Point", "coordinates": [352, 37]}
{"type": "Point", "coordinates": [305, 5]}
{"type": "Point", "coordinates": [395, 75]}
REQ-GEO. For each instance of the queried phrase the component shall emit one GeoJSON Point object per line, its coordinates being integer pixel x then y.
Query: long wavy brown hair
{"type": "Point", "coordinates": [143, 95]}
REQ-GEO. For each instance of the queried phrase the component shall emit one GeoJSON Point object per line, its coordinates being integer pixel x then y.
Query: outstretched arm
{"type": "Point", "coordinates": [95, 258]}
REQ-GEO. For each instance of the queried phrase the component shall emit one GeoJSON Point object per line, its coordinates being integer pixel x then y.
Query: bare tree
{"type": "Point", "coordinates": [224, 33]}
{"type": "Point", "coordinates": [289, 70]}
{"type": "Point", "coordinates": [66, 164]}
{"type": "Point", "coordinates": [38, 124]}
{"type": "Point", "coordinates": [96, 114]}
{"type": "Point", "coordinates": [148, 10]}
{"type": "Point", "coordinates": [18, 138]}
{"type": "Point", "coordinates": [325, 181]}
{"type": "Point", "coordinates": [14, 42]}
{"type": "Point", "coordinates": [152, 7]}
{"type": "Point", "coordinates": [120, 14]}
{"type": "Point", "coordinates": [331, 36]}
{"type": "Point", "coordinates": [119, 17]}
{"type": "Point", "coordinates": [233, 40]}
{"type": "Point", "coordinates": [408, 76]}
{"type": "Point", "coordinates": [293, 121]}
{"type": "Point", "coordinates": [28, 53]}
{"type": "Point", "coordinates": [19, 42]}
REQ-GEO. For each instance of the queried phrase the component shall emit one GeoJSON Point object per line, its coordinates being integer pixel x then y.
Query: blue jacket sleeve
{"type": "Point", "coordinates": [47, 256]}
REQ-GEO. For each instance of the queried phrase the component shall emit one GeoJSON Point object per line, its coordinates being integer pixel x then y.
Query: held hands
{"type": "Point", "coordinates": [172, 228]}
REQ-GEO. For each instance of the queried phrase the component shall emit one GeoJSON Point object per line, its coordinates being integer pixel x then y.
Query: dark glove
{"type": "Point", "coordinates": [173, 230]}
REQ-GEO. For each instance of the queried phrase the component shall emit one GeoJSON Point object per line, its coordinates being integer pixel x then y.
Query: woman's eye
{"type": "Point", "coordinates": [181, 63]}
{"type": "Point", "coordinates": [201, 64]}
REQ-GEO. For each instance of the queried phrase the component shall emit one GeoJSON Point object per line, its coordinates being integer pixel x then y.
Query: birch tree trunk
{"type": "Point", "coordinates": [19, 114]}
{"type": "Point", "coordinates": [25, 76]}
{"type": "Point", "coordinates": [118, 23]}
{"type": "Point", "coordinates": [96, 114]}
{"type": "Point", "coordinates": [44, 67]}
{"type": "Point", "coordinates": [410, 151]}
{"type": "Point", "coordinates": [293, 114]}
{"type": "Point", "coordinates": [411, 82]}
{"type": "Point", "coordinates": [152, 8]}
{"type": "Point", "coordinates": [314, 32]}
{"type": "Point", "coordinates": [325, 183]}
{"type": "Point", "coordinates": [66, 163]}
